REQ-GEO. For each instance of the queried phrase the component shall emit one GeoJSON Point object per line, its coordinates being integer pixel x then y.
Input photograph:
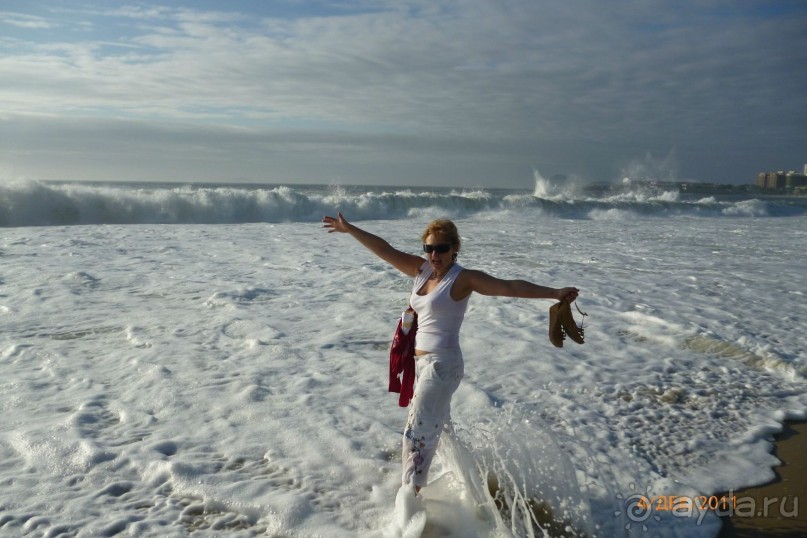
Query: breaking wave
{"type": "Point", "coordinates": [32, 203]}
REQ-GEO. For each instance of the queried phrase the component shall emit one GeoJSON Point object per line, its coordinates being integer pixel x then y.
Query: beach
{"type": "Point", "coordinates": [201, 360]}
{"type": "Point", "coordinates": [777, 506]}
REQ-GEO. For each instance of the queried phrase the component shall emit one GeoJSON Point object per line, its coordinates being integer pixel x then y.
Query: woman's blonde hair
{"type": "Point", "coordinates": [446, 228]}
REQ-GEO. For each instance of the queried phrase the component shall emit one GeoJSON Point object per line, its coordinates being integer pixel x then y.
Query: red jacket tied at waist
{"type": "Point", "coordinates": [402, 363]}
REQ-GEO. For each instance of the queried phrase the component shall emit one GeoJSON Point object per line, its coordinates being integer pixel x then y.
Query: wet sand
{"type": "Point", "coordinates": [779, 508]}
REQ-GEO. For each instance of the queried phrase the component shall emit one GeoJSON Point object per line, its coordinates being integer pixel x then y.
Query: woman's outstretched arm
{"type": "Point", "coordinates": [408, 264]}
{"type": "Point", "coordinates": [486, 284]}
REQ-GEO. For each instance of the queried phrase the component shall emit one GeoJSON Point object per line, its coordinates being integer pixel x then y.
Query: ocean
{"type": "Point", "coordinates": [206, 360]}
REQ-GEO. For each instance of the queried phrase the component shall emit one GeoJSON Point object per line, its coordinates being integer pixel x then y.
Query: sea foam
{"type": "Point", "coordinates": [231, 378]}
{"type": "Point", "coordinates": [31, 203]}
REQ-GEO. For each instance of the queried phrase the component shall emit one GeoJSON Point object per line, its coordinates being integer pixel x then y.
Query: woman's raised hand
{"type": "Point", "coordinates": [338, 224]}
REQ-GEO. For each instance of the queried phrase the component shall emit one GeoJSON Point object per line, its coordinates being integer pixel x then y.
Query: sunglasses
{"type": "Point", "coordinates": [440, 249]}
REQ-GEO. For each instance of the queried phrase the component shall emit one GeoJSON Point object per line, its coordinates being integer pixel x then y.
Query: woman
{"type": "Point", "coordinates": [439, 296]}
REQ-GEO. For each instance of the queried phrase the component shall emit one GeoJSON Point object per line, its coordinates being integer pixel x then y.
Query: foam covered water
{"type": "Point", "coordinates": [231, 377]}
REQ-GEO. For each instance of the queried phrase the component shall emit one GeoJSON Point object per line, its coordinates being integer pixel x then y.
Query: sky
{"type": "Point", "coordinates": [470, 93]}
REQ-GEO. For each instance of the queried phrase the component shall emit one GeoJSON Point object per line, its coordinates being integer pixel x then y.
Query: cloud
{"type": "Point", "coordinates": [131, 149]}
{"type": "Point", "coordinates": [575, 84]}
{"type": "Point", "coordinates": [21, 20]}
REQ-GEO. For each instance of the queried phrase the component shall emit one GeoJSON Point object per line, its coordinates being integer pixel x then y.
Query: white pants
{"type": "Point", "coordinates": [437, 376]}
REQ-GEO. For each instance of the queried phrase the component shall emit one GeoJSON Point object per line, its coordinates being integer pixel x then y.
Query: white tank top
{"type": "Point", "coordinates": [439, 316]}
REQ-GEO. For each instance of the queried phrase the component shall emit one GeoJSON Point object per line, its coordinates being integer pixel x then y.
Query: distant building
{"type": "Point", "coordinates": [787, 181]}
{"type": "Point", "coordinates": [793, 180]}
{"type": "Point", "coordinates": [771, 180]}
